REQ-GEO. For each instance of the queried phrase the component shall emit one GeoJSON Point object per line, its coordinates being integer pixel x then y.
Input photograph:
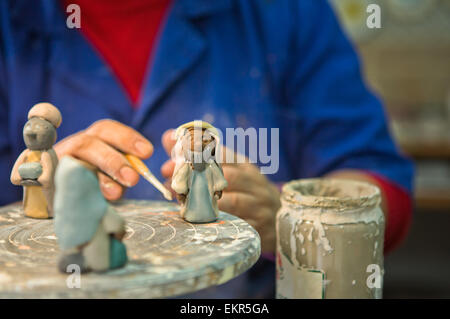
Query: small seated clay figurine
{"type": "Point", "coordinates": [35, 167]}
{"type": "Point", "coordinates": [89, 230]}
{"type": "Point", "coordinates": [197, 179]}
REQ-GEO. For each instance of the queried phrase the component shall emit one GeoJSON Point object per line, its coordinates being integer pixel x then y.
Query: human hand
{"type": "Point", "coordinates": [101, 145]}
{"type": "Point", "coordinates": [249, 195]}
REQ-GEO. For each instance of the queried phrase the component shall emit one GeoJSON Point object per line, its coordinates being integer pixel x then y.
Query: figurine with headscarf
{"type": "Point", "coordinates": [88, 229]}
{"type": "Point", "coordinates": [198, 178]}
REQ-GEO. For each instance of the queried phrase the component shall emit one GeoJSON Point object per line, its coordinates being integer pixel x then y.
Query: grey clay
{"type": "Point", "coordinates": [39, 134]}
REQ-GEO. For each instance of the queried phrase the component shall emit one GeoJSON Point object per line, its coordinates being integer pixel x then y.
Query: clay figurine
{"type": "Point", "coordinates": [89, 230]}
{"type": "Point", "coordinates": [35, 167]}
{"type": "Point", "coordinates": [197, 179]}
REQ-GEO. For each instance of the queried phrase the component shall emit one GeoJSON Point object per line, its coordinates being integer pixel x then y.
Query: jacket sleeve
{"type": "Point", "coordinates": [339, 123]}
{"type": "Point", "coordinates": [9, 192]}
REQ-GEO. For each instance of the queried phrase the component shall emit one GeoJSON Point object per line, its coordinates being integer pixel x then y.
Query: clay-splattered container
{"type": "Point", "coordinates": [330, 236]}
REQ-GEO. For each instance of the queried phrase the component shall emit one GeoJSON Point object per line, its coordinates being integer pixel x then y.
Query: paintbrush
{"type": "Point", "coordinates": [142, 169]}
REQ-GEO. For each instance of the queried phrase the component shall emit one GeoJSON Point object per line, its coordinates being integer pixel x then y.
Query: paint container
{"type": "Point", "coordinates": [330, 236]}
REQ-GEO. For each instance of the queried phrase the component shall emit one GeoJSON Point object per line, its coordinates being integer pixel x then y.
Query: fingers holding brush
{"type": "Point", "coordinates": [102, 145]}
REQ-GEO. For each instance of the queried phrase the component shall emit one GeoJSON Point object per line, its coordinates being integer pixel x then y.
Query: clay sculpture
{"type": "Point", "coordinates": [35, 167]}
{"type": "Point", "coordinates": [89, 230]}
{"type": "Point", "coordinates": [198, 178]}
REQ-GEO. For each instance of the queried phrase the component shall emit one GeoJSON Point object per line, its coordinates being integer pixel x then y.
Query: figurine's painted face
{"type": "Point", "coordinates": [197, 141]}
{"type": "Point", "coordinates": [39, 134]}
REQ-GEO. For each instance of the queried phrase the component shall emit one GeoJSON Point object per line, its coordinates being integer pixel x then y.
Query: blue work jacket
{"type": "Point", "coordinates": [236, 63]}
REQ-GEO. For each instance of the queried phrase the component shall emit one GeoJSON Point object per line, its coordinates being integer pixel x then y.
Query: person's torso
{"type": "Point", "coordinates": [221, 61]}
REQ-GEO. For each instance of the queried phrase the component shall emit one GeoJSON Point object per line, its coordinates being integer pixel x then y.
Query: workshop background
{"type": "Point", "coordinates": [407, 63]}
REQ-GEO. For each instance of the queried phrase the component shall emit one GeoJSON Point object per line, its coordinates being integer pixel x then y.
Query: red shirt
{"type": "Point", "coordinates": [399, 212]}
{"type": "Point", "coordinates": [124, 33]}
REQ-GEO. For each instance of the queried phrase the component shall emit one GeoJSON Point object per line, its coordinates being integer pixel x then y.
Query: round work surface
{"type": "Point", "coordinates": [167, 256]}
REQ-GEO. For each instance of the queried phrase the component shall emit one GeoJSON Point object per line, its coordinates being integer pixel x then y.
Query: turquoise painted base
{"type": "Point", "coordinates": [118, 254]}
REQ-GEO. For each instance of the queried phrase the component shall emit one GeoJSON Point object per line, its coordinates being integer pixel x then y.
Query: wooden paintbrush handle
{"type": "Point", "coordinates": [142, 169]}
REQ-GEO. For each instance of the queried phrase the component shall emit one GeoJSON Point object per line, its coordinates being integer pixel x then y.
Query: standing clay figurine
{"type": "Point", "coordinates": [35, 167]}
{"type": "Point", "coordinates": [197, 179]}
{"type": "Point", "coordinates": [89, 230]}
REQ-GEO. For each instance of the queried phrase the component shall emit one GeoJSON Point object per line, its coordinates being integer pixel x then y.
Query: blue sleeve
{"type": "Point", "coordinates": [8, 192]}
{"type": "Point", "coordinates": [340, 123]}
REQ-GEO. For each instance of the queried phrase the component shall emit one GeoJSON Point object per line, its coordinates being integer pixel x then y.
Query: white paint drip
{"type": "Point", "coordinates": [321, 218]}
{"type": "Point", "coordinates": [301, 238]}
{"type": "Point", "coordinates": [322, 236]}
{"type": "Point", "coordinates": [227, 274]}
{"type": "Point", "coordinates": [293, 244]}
{"type": "Point", "coordinates": [14, 215]}
{"type": "Point", "coordinates": [4, 278]}
{"type": "Point", "coordinates": [310, 235]}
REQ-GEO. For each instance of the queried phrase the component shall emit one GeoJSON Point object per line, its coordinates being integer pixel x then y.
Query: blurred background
{"type": "Point", "coordinates": [407, 63]}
